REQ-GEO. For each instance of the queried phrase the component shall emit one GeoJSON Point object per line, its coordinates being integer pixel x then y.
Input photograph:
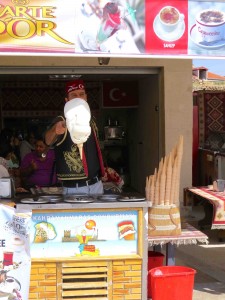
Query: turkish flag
{"type": "Point", "coordinates": [120, 94]}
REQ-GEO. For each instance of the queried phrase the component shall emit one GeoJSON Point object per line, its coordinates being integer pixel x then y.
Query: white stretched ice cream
{"type": "Point", "coordinates": [78, 116]}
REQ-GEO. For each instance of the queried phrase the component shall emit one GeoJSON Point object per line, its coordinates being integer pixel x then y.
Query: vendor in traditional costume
{"type": "Point", "coordinates": [78, 168]}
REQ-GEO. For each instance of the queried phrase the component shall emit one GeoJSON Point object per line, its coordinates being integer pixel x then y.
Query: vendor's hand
{"type": "Point", "coordinates": [60, 127]}
{"type": "Point", "coordinates": [21, 190]}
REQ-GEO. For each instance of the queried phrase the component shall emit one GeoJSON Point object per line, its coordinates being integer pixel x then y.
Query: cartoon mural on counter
{"type": "Point", "coordinates": [44, 231]}
{"type": "Point", "coordinates": [77, 234]}
{"type": "Point", "coordinates": [84, 234]}
{"type": "Point", "coordinates": [126, 230]}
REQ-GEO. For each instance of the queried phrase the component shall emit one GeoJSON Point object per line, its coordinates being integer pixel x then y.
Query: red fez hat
{"type": "Point", "coordinates": [75, 85]}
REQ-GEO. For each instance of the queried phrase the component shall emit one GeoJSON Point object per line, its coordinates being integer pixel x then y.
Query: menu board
{"type": "Point", "coordinates": [75, 234]}
{"type": "Point", "coordinates": [130, 27]}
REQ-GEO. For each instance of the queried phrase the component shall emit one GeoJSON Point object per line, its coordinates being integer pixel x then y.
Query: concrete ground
{"type": "Point", "coordinates": [207, 260]}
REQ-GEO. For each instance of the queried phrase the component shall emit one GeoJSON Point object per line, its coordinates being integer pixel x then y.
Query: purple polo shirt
{"type": "Point", "coordinates": [41, 176]}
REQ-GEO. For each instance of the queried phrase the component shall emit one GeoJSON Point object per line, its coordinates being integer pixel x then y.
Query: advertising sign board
{"type": "Point", "coordinates": [113, 27]}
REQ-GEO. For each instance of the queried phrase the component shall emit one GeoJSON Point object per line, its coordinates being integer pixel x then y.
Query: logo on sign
{"type": "Point", "coordinates": [22, 23]}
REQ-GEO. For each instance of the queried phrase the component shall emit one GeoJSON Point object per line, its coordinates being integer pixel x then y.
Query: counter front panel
{"type": "Point", "coordinates": [97, 250]}
{"type": "Point", "coordinates": [91, 233]}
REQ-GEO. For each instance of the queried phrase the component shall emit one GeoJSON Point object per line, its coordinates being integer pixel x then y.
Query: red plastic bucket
{"type": "Point", "coordinates": [155, 259]}
{"type": "Point", "coordinates": [172, 283]}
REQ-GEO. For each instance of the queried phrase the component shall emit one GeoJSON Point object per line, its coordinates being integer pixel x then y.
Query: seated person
{"type": "Point", "coordinates": [38, 167]}
{"type": "Point", "coordinates": [8, 155]}
{"type": "Point", "coordinates": [8, 139]}
{"type": "Point", "coordinates": [3, 161]}
{"type": "Point", "coordinates": [28, 144]}
{"type": "Point", "coordinates": [9, 162]}
{"type": "Point", "coordinates": [3, 172]}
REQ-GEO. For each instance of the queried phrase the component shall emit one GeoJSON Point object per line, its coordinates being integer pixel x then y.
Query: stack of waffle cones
{"type": "Point", "coordinates": [162, 188]}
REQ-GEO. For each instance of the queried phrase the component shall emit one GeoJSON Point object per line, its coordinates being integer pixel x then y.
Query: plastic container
{"type": "Point", "coordinates": [155, 259]}
{"type": "Point", "coordinates": [172, 283]}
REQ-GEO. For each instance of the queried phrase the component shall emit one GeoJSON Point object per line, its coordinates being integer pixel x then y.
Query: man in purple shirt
{"type": "Point", "coordinates": [38, 167]}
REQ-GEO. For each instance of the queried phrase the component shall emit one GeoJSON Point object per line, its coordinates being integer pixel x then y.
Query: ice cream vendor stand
{"type": "Point", "coordinates": [83, 249]}
{"type": "Point", "coordinates": [94, 249]}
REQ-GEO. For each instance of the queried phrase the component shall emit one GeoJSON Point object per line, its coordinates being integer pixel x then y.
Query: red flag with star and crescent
{"type": "Point", "coordinates": [120, 94]}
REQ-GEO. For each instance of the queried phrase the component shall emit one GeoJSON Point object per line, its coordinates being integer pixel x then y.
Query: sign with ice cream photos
{"type": "Point", "coordinates": [131, 27]}
{"type": "Point", "coordinates": [15, 260]}
{"type": "Point", "coordinates": [77, 234]}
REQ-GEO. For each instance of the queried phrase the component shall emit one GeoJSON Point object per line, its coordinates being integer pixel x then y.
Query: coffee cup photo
{"type": "Point", "coordinates": [210, 26]}
{"type": "Point", "coordinates": [170, 18]}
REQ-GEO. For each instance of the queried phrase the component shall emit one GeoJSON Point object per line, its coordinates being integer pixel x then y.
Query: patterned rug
{"type": "Point", "coordinates": [41, 99]}
{"type": "Point", "coordinates": [217, 199]}
{"type": "Point", "coordinates": [211, 114]}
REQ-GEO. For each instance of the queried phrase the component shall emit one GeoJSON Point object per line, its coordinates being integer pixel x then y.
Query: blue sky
{"type": "Point", "coordinates": [216, 66]}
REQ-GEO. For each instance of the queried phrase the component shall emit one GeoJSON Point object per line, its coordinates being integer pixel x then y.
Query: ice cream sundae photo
{"type": "Point", "coordinates": [112, 26]}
